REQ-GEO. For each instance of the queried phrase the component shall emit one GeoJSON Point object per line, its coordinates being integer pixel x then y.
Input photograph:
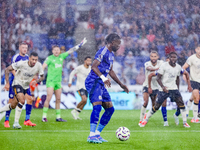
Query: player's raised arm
{"type": "Point", "coordinates": [7, 71]}
{"type": "Point", "coordinates": [115, 78]}
{"type": "Point", "coordinates": [151, 68]}
{"type": "Point", "coordinates": [75, 48]}
{"type": "Point", "coordinates": [149, 81]}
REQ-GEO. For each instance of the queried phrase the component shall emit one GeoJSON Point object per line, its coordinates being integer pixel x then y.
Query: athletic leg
{"type": "Point", "coordinates": [195, 94]}
{"type": "Point", "coordinates": [46, 103]}
{"type": "Point", "coordinates": [164, 113]}
{"type": "Point", "coordinates": [143, 109]}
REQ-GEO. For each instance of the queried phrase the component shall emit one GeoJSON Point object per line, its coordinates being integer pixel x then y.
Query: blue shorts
{"type": "Point", "coordinates": [11, 93]}
{"type": "Point", "coordinates": [97, 92]}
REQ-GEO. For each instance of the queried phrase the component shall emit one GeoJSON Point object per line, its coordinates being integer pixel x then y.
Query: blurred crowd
{"type": "Point", "coordinates": [160, 25]}
{"type": "Point", "coordinates": [27, 21]}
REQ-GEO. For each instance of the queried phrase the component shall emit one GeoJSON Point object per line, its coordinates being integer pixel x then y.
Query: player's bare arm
{"type": "Point", "coordinates": [188, 80]}
{"type": "Point", "coordinates": [95, 68]}
{"type": "Point", "coordinates": [159, 77]}
{"type": "Point", "coordinates": [152, 69]}
{"type": "Point", "coordinates": [7, 71]}
{"type": "Point", "coordinates": [177, 81]}
{"type": "Point", "coordinates": [149, 81]}
{"type": "Point", "coordinates": [115, 78]}
{"type": "Point", "coordinates": [185, 66]}
{"type": "Point", "coordinates": [38, 80]}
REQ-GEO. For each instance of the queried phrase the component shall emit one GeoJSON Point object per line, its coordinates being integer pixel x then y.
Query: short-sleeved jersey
{"type": "Point", "coordinates": [105, 57]}
{"type": "Point", "coordinates": [154, 83]}
{"type": "Point", "coordinates": [55, 65]}
{"type": "Point", "coordinates": [169, 75]}
{"type": "Point", "coordinates": [16, 58]}
{"type": "Point", "coordinates": [194, 63]}
{"type": "Point", "coordinates": [82, 73]}
{"type": "Point", "coordinates": [25, 73]}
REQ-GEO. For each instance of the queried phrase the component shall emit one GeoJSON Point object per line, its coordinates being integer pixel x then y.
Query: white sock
{"type": "Point", "coordinates": [195, 111]}
{"type": "Point", "coordinates": [183, 112]}
{"type": "Point", "coordinates": [149, 114]}
{"type": "Point", "coordinates": [188, 107]}
{"type": "Point", "coordinates": [78, 110]}
{"type": "Point", "coordinates": [5, 108]}
{"type": "Point", "coordinates": [92, 134]}
{"type": "Point", "coordinates": [142, 113]}
{"type": "Point", "coordinates": [97, 132]}
{"type": "Point", "coordinates": [17, 114]}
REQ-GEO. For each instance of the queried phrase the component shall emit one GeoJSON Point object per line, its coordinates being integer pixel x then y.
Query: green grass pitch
{"type": "Point", "coordinates": [72, 135]}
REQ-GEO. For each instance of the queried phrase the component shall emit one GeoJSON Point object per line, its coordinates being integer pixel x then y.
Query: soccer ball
{"type": "Point", "coordinates": [123, 133]}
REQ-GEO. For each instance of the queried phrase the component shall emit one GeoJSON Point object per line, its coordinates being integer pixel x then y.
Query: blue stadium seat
{"type": "Point", "coordinates": [61, 36]}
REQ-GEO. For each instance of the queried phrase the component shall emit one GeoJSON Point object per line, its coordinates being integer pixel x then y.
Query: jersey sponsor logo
{"type": "Point", "coordinates": [58, 65]}
{"type": "Point", "coordinates": [171, 75]}
{"type": "Point", "coordinates": [28, 75]}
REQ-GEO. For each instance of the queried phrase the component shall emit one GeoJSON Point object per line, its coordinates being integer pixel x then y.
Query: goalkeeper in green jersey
{"type": "Point", "coordinates": [54, 78]}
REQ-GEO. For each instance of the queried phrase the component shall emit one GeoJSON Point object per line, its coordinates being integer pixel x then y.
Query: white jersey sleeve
{"type": "Point", "coordinates": [161, 70]}
{"type": "Point", "coordinates": [17, 65]}
{"type": "Point", "coordinates": [75, 71]}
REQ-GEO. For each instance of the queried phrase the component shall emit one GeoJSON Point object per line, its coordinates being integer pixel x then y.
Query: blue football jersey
{"type": "Point", "coordinates": [15, 59]}
{"type": "Point", "coordinates": [106, 58]}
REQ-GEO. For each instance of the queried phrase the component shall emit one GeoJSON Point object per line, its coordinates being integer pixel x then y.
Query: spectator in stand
{"type": "Point", "coordinates": [143, 42]}
{"type": "Point", "coordinates": [11, 19]}
{"type": "Point", "coordinates": [124, 25]}
{"type": "Point", "coordinates": [175, 34]}
{"type": "Point", "coordinates": [36, 27]}
{"type": "Point", "coordinates": [182, 58]}
{"type": "Point", "coordinates": [108, 21]}
{"type": "Point", "coordinates": [151, 36]}
{"type": "Point", "coordinates": [29, 42]}
{"type": "Point", "coordinates": [3, 68]}
{"type": "Point", "coordinates": [168, 36]}
{"type": "Point", "coordinates": [169, 48]}
{"type": "Point", "coordinates": [173, 25]}
{"type": "Point", "coordinates": [19, 15]}
{"type": "Point", "coordinates": [37, 11]}
{"type": "Point", "coordinates": [99, 37]}
{"type": "Point", "coordinates": [52, 31]}
{"type": "Point", "coordinates": [28, 27]}
{"type": "Point", "coordinates": [44, 53]}
{"type": "Point", "coordinates": [140, 77]}
{"type": "Point", "coordinates": [69, 12]}
{"type": "Point", "coordinates": [28, 19]}
{"type": "Point", "coordinates": [159, 38]}
{"type": "Point", "coordinates": [178, 48]}
{"type": "Point", "coordinates": [60, 23]}
{"type": "Point", "coordinates": [192, 36]}
{"type": "Point", "coordinates": [71, 65]}
{"type": "Point", "coordinates": [20, 25]}
{"type": "Point", "coordinates": [20, 34]}
{"type": "Point", "coordinates": [19, 40]}
{"type": "Point", "coordinates": [195, 15]}
{"type": "Point", "coordinates": [129, 59]}
{"type": "Point", "coordinates": [44, 27]}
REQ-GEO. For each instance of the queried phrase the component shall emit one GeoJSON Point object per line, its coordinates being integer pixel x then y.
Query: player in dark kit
{"type": "Point", "coordinates": [95, 84]}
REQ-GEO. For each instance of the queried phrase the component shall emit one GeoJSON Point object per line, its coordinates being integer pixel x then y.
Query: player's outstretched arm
{"type": "Point", "coordinates": [159, 77]}
{"type": "Point", "coordinates": [75, 48]}
{"type": "Point", "coordinates": [115, 78]}
{"type": "Point", "coordinates": [7, 71]}
{"type": "Point", "coordinates": [187, 80]}
{"type": "Point", "coordinates": [95, 68]}
{"type": "Point", "coordinates": [149, 81]}
{"type": "Point", "coordinates": [151, 68]}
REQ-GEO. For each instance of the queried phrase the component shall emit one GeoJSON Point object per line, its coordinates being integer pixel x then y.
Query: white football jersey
{"type": "Point", "coordinates": [194, 63]}
{"type": "Point", "coordinates": [169, 75]}
{"type": "Point", "coordinates": [82, 74]}
{"type": "Point", "coordinates": [25, 73]}
{"type": "Point", "coordinates": [154, 83]}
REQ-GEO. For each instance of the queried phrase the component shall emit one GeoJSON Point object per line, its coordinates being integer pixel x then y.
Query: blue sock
{"type": "Point", "coordinates": [94, 118]}
{"type": "Point", "coordinates": [164, 113]}
{"type": "Point", "coordinates": [7, 115]}
{"type": "Point", "coordinates": [177, 113]}
{"type": "Point", "coordinates": [105, 118]}
{"type": "Point", "coordinates": [28, 111]}
{"type": "Point", "coordinates": [199, 107]}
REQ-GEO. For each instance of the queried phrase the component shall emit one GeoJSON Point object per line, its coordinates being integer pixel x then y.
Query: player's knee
{"type": "Point", "coordinates": [22, 101]}
{"type": "Point", "coordinates": [13, 106]}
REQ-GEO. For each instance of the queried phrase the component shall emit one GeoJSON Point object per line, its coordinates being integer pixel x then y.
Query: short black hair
{"type": "Point", "coordinates": [34, 54]}
{"type": "Point", "coordinates": [87, 57]}
{"type": "Point", "coordinates": [172, 53]}
{"type": "Point", "coordinates": [111, 37]}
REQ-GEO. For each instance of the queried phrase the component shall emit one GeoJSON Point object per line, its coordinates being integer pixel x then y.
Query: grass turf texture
{"type": "Point", "coordinates": [73, 134]}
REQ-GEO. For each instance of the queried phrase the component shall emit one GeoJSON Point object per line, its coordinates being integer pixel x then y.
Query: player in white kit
{"type": "Point", "coordinates": [150, 66]}
{"type": "Point", "coordinates": [168, 79]}
{"type": "Point", "coordinates": [26, 70]}
{"type": "Point", "coordinates": [194, 63]}
{"type": "Point", "coordinates": [82, 72]}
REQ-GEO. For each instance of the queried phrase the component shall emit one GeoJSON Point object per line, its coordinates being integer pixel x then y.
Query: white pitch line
{"type": "Point", "coordinates": [108, 131]}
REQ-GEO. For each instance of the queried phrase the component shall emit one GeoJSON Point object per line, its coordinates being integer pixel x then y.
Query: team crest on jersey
{"type": "Point", "coordinates": [100, 56]}
{"type": "Point", "coordinates": [100, 97]}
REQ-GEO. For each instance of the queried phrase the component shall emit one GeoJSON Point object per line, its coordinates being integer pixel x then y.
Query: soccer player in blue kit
{"type": "Point", "coordinates": [22, 56]}
{"type": "Point", "coordinates": [95, 84]}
